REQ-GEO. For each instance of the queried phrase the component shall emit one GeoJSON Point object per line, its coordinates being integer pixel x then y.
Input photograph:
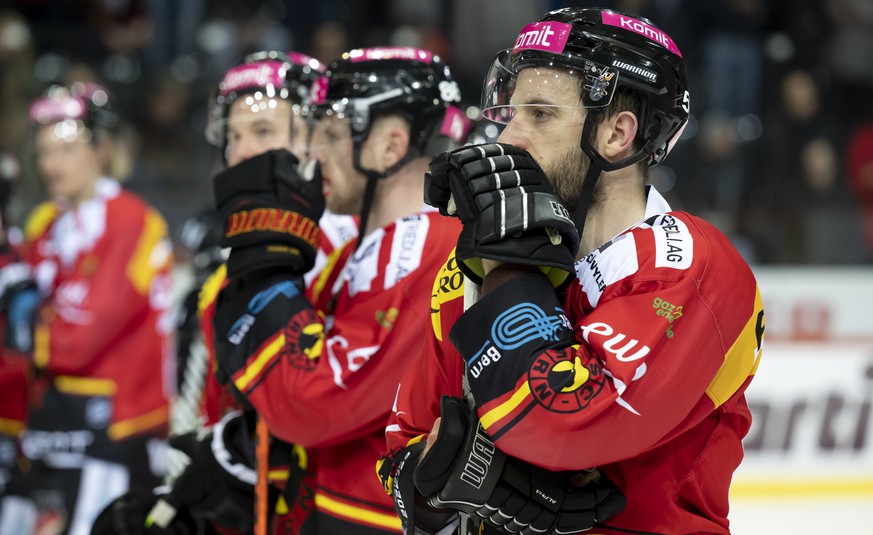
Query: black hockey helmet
{"type": "Point", "coordinates": [79, 107]}
{"type": "Point", "coordinates": [365, 84]}
{"type": "Point", "coordinates": [608, 49]}
{"type": "Point", "coordinates": [262, 77]}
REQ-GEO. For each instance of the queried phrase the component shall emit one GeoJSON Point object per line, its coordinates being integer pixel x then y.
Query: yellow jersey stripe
{"type": "Point", "coordinates": [141, 268]}
{"type": "Point", "coordinates": [41, 346]}
{"type": "Point", "coordinates": [149, 420]}
{"type": "Point", "coordinates": [500, 411]}
{"type": "Point", "coordinates": [321, 281]}
{"type": "Point", "coordinates": [260, 362]}
{"type": "Point", "coordinates": [766, 488]}
{"type": "Point", "coordinates": [85, 386]}
{"type": "Point", "coordinates": [10, 427]}
{"type": "Point", "coordinates": [357, 514]}
{"type": "Point", "coordinates": [209, 290]}
{"type": "Point", "coordinates": [40, 218]}
{"type": "Point", "coordinates": [740, 362]}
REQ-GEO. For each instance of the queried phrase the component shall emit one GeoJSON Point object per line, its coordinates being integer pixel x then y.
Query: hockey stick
{"type": "Point", "coordinates": [262, 453]}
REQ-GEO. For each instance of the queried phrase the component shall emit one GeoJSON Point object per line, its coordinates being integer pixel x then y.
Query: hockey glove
{"type": "Point", "coordinates": [219, 484]}
{"type": "Point", "coordinates": [126, 515]}
{"type": "Point", "coordinates": [507, 207]}
{"type": "Point", "coordinates": [271, 211]}
{"type": "Point", "coordinates": [465, 471]}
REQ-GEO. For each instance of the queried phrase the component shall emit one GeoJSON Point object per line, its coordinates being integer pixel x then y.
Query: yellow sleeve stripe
{"type": "Point", "coordinates": [499, 412]}
{"type": "Point", "coordinates": [143, 264]}
{"type": "Point", "coordinates": [85, 386]}
{"type": "Point", "coordinates": [321, 281]}
{"type": "Point", "coordinates": [209, 290]}
{"type": "Point", "coordinates": [357, 514]}
{"type": "Point", "coordinates": [11, 427]}
{"type": "Point", "coordinates": [149, 420]}
{"type": "Point", "coordinates": [271, 348]}
{"type": "Point", "coordinates": [39, 219]}
{"type": "Point", "coordinates": [740, 361]}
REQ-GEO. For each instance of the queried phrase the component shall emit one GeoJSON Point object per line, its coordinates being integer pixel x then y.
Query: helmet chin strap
{"type": "Point", "coordinates": [373, 178]}
{"type": "Point", "coordinates": [596, 167]}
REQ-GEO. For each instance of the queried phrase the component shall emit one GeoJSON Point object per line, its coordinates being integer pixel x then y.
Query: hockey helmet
{"type": "Point", "coordinates": [262, 78]}
{"type": "Point", "coordinates": [607, 50]}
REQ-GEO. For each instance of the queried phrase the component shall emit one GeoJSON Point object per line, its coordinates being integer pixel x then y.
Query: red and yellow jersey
{"type": "Point", "coordinates": [667, 326]}
{"type": "Point", "coordinates": [104, 327]}
{"type": "Point", "coordinates": [336, 230]}
{"type": "Point", "coordinates": [333, 396]}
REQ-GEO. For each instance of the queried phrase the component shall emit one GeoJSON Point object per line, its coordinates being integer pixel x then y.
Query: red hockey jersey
{"type": "Point", "coordinates": [668, 327]}
{"type": "Point", "coordinates": [334, 396]}
{"type": "Point", "coordinates": [104, 327]}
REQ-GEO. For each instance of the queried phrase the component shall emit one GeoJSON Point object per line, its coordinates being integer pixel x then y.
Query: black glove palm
{"type": "Point", "coordinates": [508, 209]}
{"type": "Point", "coordinates": [271, 211]}
{"type": "Point", "coordinates": [464, 471]}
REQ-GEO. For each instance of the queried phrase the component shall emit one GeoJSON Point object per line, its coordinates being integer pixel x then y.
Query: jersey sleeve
{"type": "Point", "coordinates": [659, 351]}
{"type": "Point", "coordinates": [107, 294]}
{"type": "Point", "coordinates": [345, 366]}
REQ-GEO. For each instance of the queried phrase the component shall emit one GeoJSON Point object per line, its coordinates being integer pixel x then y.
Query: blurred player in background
{"type": "Point", "coordinates": [102, 346]}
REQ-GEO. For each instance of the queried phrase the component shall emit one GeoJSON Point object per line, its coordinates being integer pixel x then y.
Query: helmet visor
{"type": "Point", "coordinates": [521, 81]}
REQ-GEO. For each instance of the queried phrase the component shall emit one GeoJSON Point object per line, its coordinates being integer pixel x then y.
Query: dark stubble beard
{"type": "Point", "coordinates": [566, 174]}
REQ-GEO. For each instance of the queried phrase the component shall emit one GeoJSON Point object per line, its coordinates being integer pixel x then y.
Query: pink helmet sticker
{"type": "Point", "coordinates": [629, 23]}
{"type": "Point", "coordinates": [318, 92]}
{"type": "Point", "coordinates": [548, 36]}
{"type": "Point", "coordinates": [455, 125]}
{"type": "Point", "coordinates": [253, 75]}
{"type": "Point", "coordinates": [53, 110]}
{"type": "Point", "coordinates": [303, 59]}
{"type": "Point", "coordinates": [391, 52]}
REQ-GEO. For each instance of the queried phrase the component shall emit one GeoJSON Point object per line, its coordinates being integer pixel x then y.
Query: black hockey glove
{"type": "Point", "coordinates": [507, 207]}
{"type": "Point", "coordinates": [465, 471]}
{"type": "Point", "coordinates": [219, 484]}
{"type": "Point", "coordinates": [271, 211]}
{"type": "Point", "coordinates": [126, 515]}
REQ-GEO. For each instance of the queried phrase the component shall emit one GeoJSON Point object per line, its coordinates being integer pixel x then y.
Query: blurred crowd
{"type": "Point", "coordinates": [778, 154]}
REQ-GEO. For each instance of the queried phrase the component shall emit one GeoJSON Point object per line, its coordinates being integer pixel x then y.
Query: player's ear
{"type": "Point", "coordinates": [395, 141]}
{"type": "Point", "coordinates": [617, 134]}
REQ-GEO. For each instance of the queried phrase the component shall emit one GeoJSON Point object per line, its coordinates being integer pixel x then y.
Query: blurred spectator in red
{"type": "Point", "coordinates": [859, 171]}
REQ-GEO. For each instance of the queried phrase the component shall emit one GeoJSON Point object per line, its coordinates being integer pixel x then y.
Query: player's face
{"type": "Point", "coordinates": [254, 131]}
{"type": "Point", "coordinates": [343, 185]}
{"type": "Point", "coordinates": [547, 122]}
{"type": "Point", "coordinates": [69, 162]}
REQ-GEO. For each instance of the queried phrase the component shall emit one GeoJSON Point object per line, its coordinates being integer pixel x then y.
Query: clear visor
{"type": "Point", "coordinates": [520, 82]}
{"type": "Point", "coordinates": [331, 133]}
{"type": "Point", "coordinates": [254, 106]}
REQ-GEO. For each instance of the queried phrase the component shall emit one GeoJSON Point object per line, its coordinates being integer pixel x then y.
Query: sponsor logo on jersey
{"type": "Point", "coordinates": [674, 245]}
{"type": "Point", "coordinates": [515, 327]}
{"type": "Point", "coordinates": [407, 247]}
{"type": "Point", "coordinates": [609, 264]}
{"type": "Point", "coordinates": [561, 382]}
{"type": "Point", "coordinates": [633, 69]}
{"type": "Point", "coordinates": [447, 286]}
{"type": "Point", "coordinates": [668, 311]}
{"type": "Point", "coordinates": [387, 318]}
{"type": "Point", "coordinates": [622, 347]}
{"type": "Point", "coordinates": [363, 267]}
